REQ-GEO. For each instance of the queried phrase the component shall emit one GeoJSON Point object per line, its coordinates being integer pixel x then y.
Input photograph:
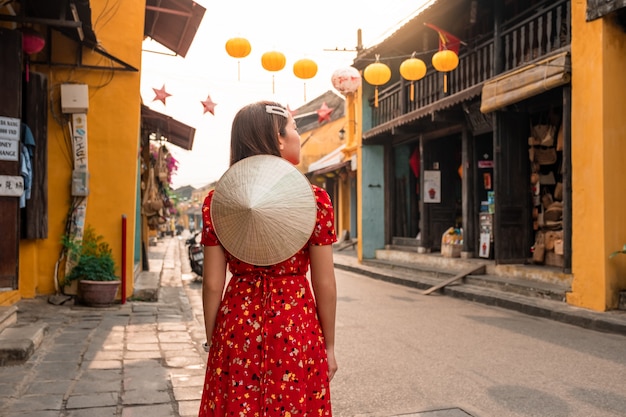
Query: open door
{"type": "Point", "coordinates": [440, 212]}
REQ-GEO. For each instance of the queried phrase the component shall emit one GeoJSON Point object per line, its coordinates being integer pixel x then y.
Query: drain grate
{"type": "Point", "coordinates": [444, 412]}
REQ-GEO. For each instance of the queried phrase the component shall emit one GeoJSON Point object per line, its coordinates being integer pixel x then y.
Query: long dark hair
{"type": "Point", "coordinates": [255, 131]}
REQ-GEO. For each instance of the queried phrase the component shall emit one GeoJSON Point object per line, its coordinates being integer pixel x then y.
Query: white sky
{"type": "Point", "coordinates": [297, 29]}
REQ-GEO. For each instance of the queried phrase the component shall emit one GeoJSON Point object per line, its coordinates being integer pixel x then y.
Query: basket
{"type": "Point", "coordinates": [450, 250]}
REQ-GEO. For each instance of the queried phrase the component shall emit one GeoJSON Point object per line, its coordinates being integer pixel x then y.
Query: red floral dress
{"type": "Point", "coordinates": [268, 356]}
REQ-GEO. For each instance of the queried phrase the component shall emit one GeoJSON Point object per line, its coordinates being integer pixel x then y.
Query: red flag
{"type": "Point", "coordinates": [446, 40]}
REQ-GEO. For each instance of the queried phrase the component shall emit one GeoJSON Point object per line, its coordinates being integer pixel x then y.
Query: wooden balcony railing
{"type": "Point", "coordinates": [527, 38]}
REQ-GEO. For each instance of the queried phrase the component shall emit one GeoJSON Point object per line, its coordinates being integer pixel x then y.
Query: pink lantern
{"type": "Point", "coordinates": [346, 80]}
{"type": "Point", "coordinates": [32, 43]}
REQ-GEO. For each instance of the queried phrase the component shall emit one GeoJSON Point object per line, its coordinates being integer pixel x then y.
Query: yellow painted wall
{"type": "Point", "coordinates": [319, 142]}
{"type": "Point", "coordinates": [598, 160]}
{"type": "Point", "coordinates": [113, 142]}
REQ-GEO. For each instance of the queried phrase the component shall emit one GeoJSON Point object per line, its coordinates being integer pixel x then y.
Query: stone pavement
{"type": "Point", "coordinates": [133, 359]}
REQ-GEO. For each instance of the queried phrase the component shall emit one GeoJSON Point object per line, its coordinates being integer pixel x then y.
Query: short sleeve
{"type": "Point", "coordinates": [209, 238]}
{"type": "Point", "coordinates": [324, 232]}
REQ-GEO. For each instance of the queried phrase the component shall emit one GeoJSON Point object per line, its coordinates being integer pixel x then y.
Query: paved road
{"type": "Point", "coordinates": [400, 352]}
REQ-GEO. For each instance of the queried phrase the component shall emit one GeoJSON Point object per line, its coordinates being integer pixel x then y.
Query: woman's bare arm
{"type": "Point", "coordinates": [213, 281]}
{"type": "Point", "coordinates": [325, 290]}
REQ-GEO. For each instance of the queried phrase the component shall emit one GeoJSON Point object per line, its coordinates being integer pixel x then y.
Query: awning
{"type": "Point", "coordinates": [526, 82]}
{"type": "Point", "coordinates": [165, 127]}
{"type": "Point", "coordinates": [332, 158]}
{"type": "Point", "coordinates": [600, 8]}
{"type": "Point", "coordinates": [334, 161]}
{"type": "Point", "coordinates": [173, 23]}
{"type": "Point", "coordinates": [330, 168]}
{"type": "Point", "coordinates": [425, 111]}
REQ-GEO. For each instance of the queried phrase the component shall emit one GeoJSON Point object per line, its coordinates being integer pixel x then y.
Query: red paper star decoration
{"type": "Point", "coordinates": [161, 94]}
{"type": "Point", "coordinates": [323, 113]}
{"type": "Point", "coordinates": [209, 105]}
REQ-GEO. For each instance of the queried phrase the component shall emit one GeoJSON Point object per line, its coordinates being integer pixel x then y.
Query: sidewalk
{"type": "Point", "coordinates": [136, 359]}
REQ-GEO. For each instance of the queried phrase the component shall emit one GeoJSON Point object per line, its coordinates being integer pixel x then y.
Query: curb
{"type": "Point", "coordinates": [608, 322]}
{"type": "Point", "coordinates": [18, 343]}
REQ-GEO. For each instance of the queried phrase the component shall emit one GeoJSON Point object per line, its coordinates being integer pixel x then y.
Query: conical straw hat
{"type": "Point", "coordinates": [263, 210]}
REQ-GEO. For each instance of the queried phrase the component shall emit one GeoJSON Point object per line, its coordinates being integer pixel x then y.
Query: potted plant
{"type": "Point", "coordinates": [93, 267]}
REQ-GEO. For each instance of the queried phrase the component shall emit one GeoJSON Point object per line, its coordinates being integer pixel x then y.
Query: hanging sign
{"type": "Point", "coordinates": [432, 186]}
{"type": "Point", "coordinates": [9, 128]}
{"type": "Point", "coordinates": [11, 186]}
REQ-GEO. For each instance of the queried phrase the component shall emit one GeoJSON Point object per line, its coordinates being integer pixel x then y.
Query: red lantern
{"type": "Point", "coordinates": [238, 48]}
{"type": "Point", "coordinates": [377, 74]}
{"type": "Point", "coordinates": [32, 43]}
{"type": "Point", "coordinates": [305, 69]}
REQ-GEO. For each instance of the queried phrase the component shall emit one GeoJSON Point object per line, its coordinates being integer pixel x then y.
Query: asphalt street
{"type": "Point", "coordinates": [401, 352]}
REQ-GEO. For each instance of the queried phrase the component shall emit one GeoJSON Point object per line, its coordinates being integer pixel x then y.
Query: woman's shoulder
{"type": "Point", "coordinates": [209, 197]}
{"type": "Point", "coordinates": [321, 196]}
{"type": "Point", "coordinates": [319, 192]}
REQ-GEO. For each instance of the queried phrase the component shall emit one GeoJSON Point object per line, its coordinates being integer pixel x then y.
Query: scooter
{"type": "Point", "coordinates": [196, 254]}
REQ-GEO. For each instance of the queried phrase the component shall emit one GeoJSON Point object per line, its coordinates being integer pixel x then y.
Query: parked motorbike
{"type": "Point", "coordinates": [196, 254]}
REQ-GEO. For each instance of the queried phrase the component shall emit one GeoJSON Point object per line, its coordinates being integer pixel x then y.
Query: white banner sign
{"type": "Point", "coordinates": [9, 150]}
{"type": "Point", "coordinates": [9, 128]}
{"type": "Point", "coordinates": [11, 186]}
{"type": "Point", "coordinates": [79, 140]}
{"type": "Point", "coordinates": [432, 186]}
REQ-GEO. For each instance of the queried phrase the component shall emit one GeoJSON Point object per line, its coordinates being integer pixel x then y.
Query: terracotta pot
{"type": "Point", "coordinates": [97, 293]}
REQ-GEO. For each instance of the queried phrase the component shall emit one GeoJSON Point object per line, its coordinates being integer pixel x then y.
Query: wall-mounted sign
{"type": "Point", "coordinates": [432, 186]}
{"type": "Point", "coordinates": [79, 141]}
{"type": "Point", "coordinates": [485, 164]}
{"type": "Point", "coordinates": [9, 150]}
{"type": "Point", "coordinates": [9, 128]}
{"type": "Point", "coordinates": [11, 186]}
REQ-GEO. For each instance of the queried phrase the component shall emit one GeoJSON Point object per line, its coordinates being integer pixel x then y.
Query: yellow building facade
{"type": "Point", "coordinates": [113, 126]}
{"type": "Point", "coordinates": [598, 160]}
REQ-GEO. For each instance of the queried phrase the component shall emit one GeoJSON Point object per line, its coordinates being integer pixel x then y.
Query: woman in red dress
{"type": "Point", "coordinates": [271, 349]}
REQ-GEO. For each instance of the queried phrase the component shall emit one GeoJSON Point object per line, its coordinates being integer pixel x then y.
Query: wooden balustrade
{"type": "Point", "coordinates": [528, 38]}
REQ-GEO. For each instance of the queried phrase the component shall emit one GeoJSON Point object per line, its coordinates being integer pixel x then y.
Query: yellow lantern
{"type": "Point", "coordinates": [413, 69]}
{"type": "Point", "coordinates": [444, 61]}
{"type": "Point", "coordinates": [273, 61]}
{"type": "Point", "coordinates": [377, 74]}
{"type": "Point", "coordinates": [305, 69]}
{"type": "Point", "coordinates": [238, 48]}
